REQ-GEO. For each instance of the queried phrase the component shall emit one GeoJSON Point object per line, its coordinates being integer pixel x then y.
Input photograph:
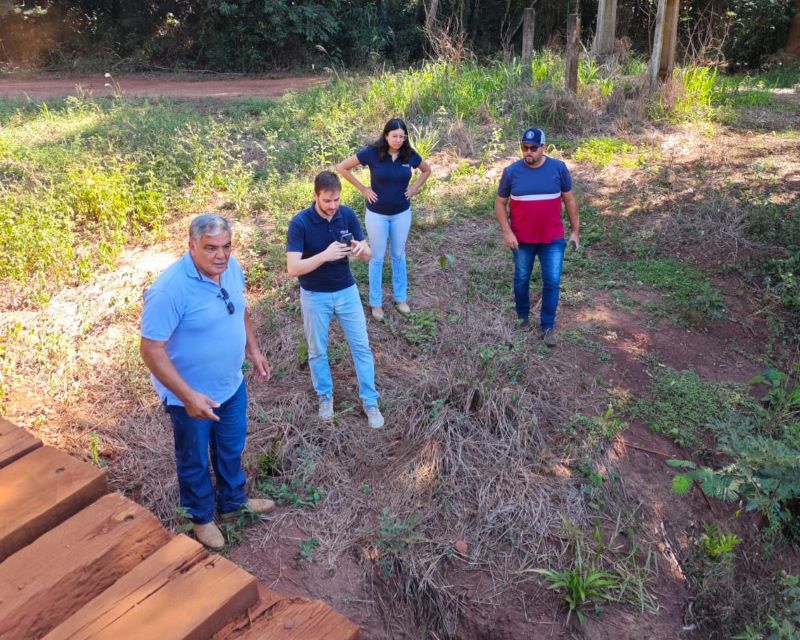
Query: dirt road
{"type": "Point", "coordinates": [224, 87]}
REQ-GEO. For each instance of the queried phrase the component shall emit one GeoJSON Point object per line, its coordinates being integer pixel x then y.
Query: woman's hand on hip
{"type": "Point", "coordinates": [370, 195]}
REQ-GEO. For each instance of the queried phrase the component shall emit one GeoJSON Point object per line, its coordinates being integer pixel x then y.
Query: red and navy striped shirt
{"type": "Point", "coordinates": [535, 199]}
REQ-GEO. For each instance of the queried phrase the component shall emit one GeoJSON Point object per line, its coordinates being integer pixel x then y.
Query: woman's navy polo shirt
{"type": "Point", "coordinates": [309, 234]}
{"type": "Point", "coordinates": [389, 179]}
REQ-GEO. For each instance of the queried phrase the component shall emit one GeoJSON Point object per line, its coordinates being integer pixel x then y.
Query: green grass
{"type": "Point", "coordinates": [684, 405]}
{"type": "Point", "coordinates": [605, 151]}
{"type": "Point", "coordinates": [698, 302]}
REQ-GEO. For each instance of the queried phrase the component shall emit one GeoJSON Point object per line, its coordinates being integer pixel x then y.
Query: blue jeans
{"type": "Point", "coordinates": [551, 259]}
{"type": "Point", "coordinates": [225, 438]}
{"type": "Point", "coordinates": [380, 230]}
{"type": "Point", "coordinates": [319, 308]}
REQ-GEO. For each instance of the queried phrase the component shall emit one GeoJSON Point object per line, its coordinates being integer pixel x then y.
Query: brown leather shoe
{"type": "Point", "coordinates": [377, 313]}
{"type": "Point", "coordinates": [259, 506]}
{"type": "Point", "coordinates": [403, 308]}
{"type": "Point", "coordinates": [549, 337]}
{"type": "Point", "coordinates": [209, 536]}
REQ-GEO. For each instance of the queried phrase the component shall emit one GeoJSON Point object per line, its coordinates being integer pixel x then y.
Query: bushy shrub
{"type": "Point", "coordinates": [759, 29]}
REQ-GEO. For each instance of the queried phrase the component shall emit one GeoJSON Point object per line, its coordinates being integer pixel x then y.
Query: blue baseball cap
{"type": "Point", "coordinates": [533, 136]}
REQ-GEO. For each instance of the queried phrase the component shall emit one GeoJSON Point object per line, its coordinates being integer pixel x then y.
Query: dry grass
{"type": "Point", "coordinates": [463, 456]}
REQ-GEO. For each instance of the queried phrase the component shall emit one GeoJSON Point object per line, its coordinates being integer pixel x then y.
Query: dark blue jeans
{"type": "Point", "coordinates": [551, 259]}
{"type": "Point", "coordinates": [225, 439]}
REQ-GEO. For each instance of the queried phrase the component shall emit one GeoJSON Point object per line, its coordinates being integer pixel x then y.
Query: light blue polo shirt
{"type": "Point", "coordinates": [205, 342]}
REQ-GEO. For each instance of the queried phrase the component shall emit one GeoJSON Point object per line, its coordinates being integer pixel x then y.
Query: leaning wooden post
{"type": "Point", "coordinates": [573, 41]}
{"type": "Point", "coordinates": [603, 45]}
{"type": "Point", "coordinates": [528, 17]}
{"type": "Point", "coordinates": [662, 60]}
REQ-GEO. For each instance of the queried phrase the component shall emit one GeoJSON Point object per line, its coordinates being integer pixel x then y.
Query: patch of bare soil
{"type": "Point", "coordinates": [223, 88]}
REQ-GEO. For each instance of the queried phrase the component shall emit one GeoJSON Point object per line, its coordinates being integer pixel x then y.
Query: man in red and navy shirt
{"type": "Point", "coordinates": [531, 191]}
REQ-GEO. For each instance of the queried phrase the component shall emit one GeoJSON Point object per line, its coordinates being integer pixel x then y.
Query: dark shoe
{"type": "Point", "coordinates": [259, 506]}
{"type": "Point", "coordinates": [209, 536]}
{"type": "Point", "coordinates": [549, 337]}
{"type": "Point", "coordinates": [523, 323]}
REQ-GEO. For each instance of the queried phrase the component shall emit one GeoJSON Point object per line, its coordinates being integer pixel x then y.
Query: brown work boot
{"type": "Point", "coordinates": [259, 506]}
{"type": "Point", "coordinates": [403, 308]}
{"type": "Point", "coordinates": [549, 337]}
{"type": "Point", "coordinates": [377, 313]}
{"type": "Point", "coordinates": [209, 536]}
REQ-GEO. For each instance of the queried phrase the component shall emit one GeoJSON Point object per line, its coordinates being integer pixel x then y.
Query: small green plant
{"type": "Point", "coordinates": [268, 463]}
{"type": "Point", "coordinates": [295, 493]}
{"type": "Point", "coordinates": [94, 449]}
{"type": "Point", "coordinates": [232, 533]}
{"type": "Point", "coordinates": [184, 519]}
{"type": "Point", "coordinates": [305, 550]}
{"type": "Point", "coordinates": [420, 327]}
{"type": "Point", "coordinates": [394, 538]}
{"type": "Point", "coordinates": [582, 585]}
{"type": "Point", "coordinates": [717, 543]}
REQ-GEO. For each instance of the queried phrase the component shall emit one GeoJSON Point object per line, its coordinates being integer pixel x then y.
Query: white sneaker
{"type": "Point", "coordinates": [374, 417]}
{"type": "Point", "coordinates": [325, 408]}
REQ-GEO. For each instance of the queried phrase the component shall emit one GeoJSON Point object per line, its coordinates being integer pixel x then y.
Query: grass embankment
{"type": "Point", "coordinates": [496, 457]}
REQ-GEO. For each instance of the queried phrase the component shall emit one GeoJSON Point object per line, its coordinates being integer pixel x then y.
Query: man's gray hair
{"type": "Point", "coordinates": [208, 224]}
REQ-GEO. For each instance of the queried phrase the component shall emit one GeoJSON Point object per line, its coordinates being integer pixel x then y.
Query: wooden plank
{"type": "Point", "coordinates": [15, 442]}
{"type": "Point", "coordinates": [39, 491]}
{"type": "Point", "coordinates": [277, 617]}
{"type": "Point", "coordinates": [179, 592]}
{"type": "Point", "coordinates": [6, 427]}
{"type": "Point", "coordinates": [44, 583]}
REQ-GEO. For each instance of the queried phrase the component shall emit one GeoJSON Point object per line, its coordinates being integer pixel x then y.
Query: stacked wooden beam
{"type": "Point", "coordinates": [79, 563]}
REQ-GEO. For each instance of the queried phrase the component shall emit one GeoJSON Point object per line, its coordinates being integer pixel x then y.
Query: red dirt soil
{"type": "Point", "coordinates": [221, 87]}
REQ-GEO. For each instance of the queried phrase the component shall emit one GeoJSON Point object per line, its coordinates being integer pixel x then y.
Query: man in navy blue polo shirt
{"type": "Point", "coordinates": [196, 333]}
{"type": "Point", "coordinates": [319, 242]}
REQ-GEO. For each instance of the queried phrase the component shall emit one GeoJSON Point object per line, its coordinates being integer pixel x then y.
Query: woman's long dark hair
{"type": "Point", "coordinates": [382, 147]}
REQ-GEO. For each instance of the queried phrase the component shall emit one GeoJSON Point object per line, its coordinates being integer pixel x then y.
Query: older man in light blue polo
{"type": "Point", "coordinates": [196, 333]}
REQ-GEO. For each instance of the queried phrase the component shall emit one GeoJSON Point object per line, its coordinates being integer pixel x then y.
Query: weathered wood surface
{"type": "Point", "coordinates": [77, 563]}
{"type": "Point", "coordinates": [39, 491]}
{"type": "Point", "coordinates": [15, 443]}
{"type": "Point", "coordinates": [44, 583]}
{"type": "Point", "coordinates": [178, 593]}
{"type": "Point", "coordinates": [278, 617]}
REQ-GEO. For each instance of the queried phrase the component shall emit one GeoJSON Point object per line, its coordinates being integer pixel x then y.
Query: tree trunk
{"type": "Point", "coordinates": [606, 28]}
{"type": "Point", "coordinates": [792, 48]}
{"type": "Point", "coordinates": [527, 40]}
{"type": "Point", "coordinates": [431, 8]}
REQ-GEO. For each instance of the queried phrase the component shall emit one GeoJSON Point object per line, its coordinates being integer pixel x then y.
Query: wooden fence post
{"type": "Point", "coordinates": [573, 42]}
{"type": "Point", "coordinates": [662, 60]}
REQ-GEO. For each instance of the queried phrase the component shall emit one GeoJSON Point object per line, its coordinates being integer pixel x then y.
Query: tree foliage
{"type": "Point", "coordinates": [254, 35]}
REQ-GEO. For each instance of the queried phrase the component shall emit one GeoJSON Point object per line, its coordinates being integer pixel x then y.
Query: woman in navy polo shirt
{"type": "Point", "coordinates": [391, 162]}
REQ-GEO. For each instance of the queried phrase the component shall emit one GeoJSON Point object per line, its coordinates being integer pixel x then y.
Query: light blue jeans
{"type": "Point", "coordinates": [319, 308]}
{"type": "Point", "coordinates": [394, 231]}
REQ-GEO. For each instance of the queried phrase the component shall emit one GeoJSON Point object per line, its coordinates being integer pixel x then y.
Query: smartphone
{"type": "Point", "coordinates": [346, 238]}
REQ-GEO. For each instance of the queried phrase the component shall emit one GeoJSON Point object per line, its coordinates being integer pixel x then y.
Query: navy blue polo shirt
{"type": "Point", "coordinates": [389, 179]}
{"type": "Point", "coordinates": [309, 234]}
